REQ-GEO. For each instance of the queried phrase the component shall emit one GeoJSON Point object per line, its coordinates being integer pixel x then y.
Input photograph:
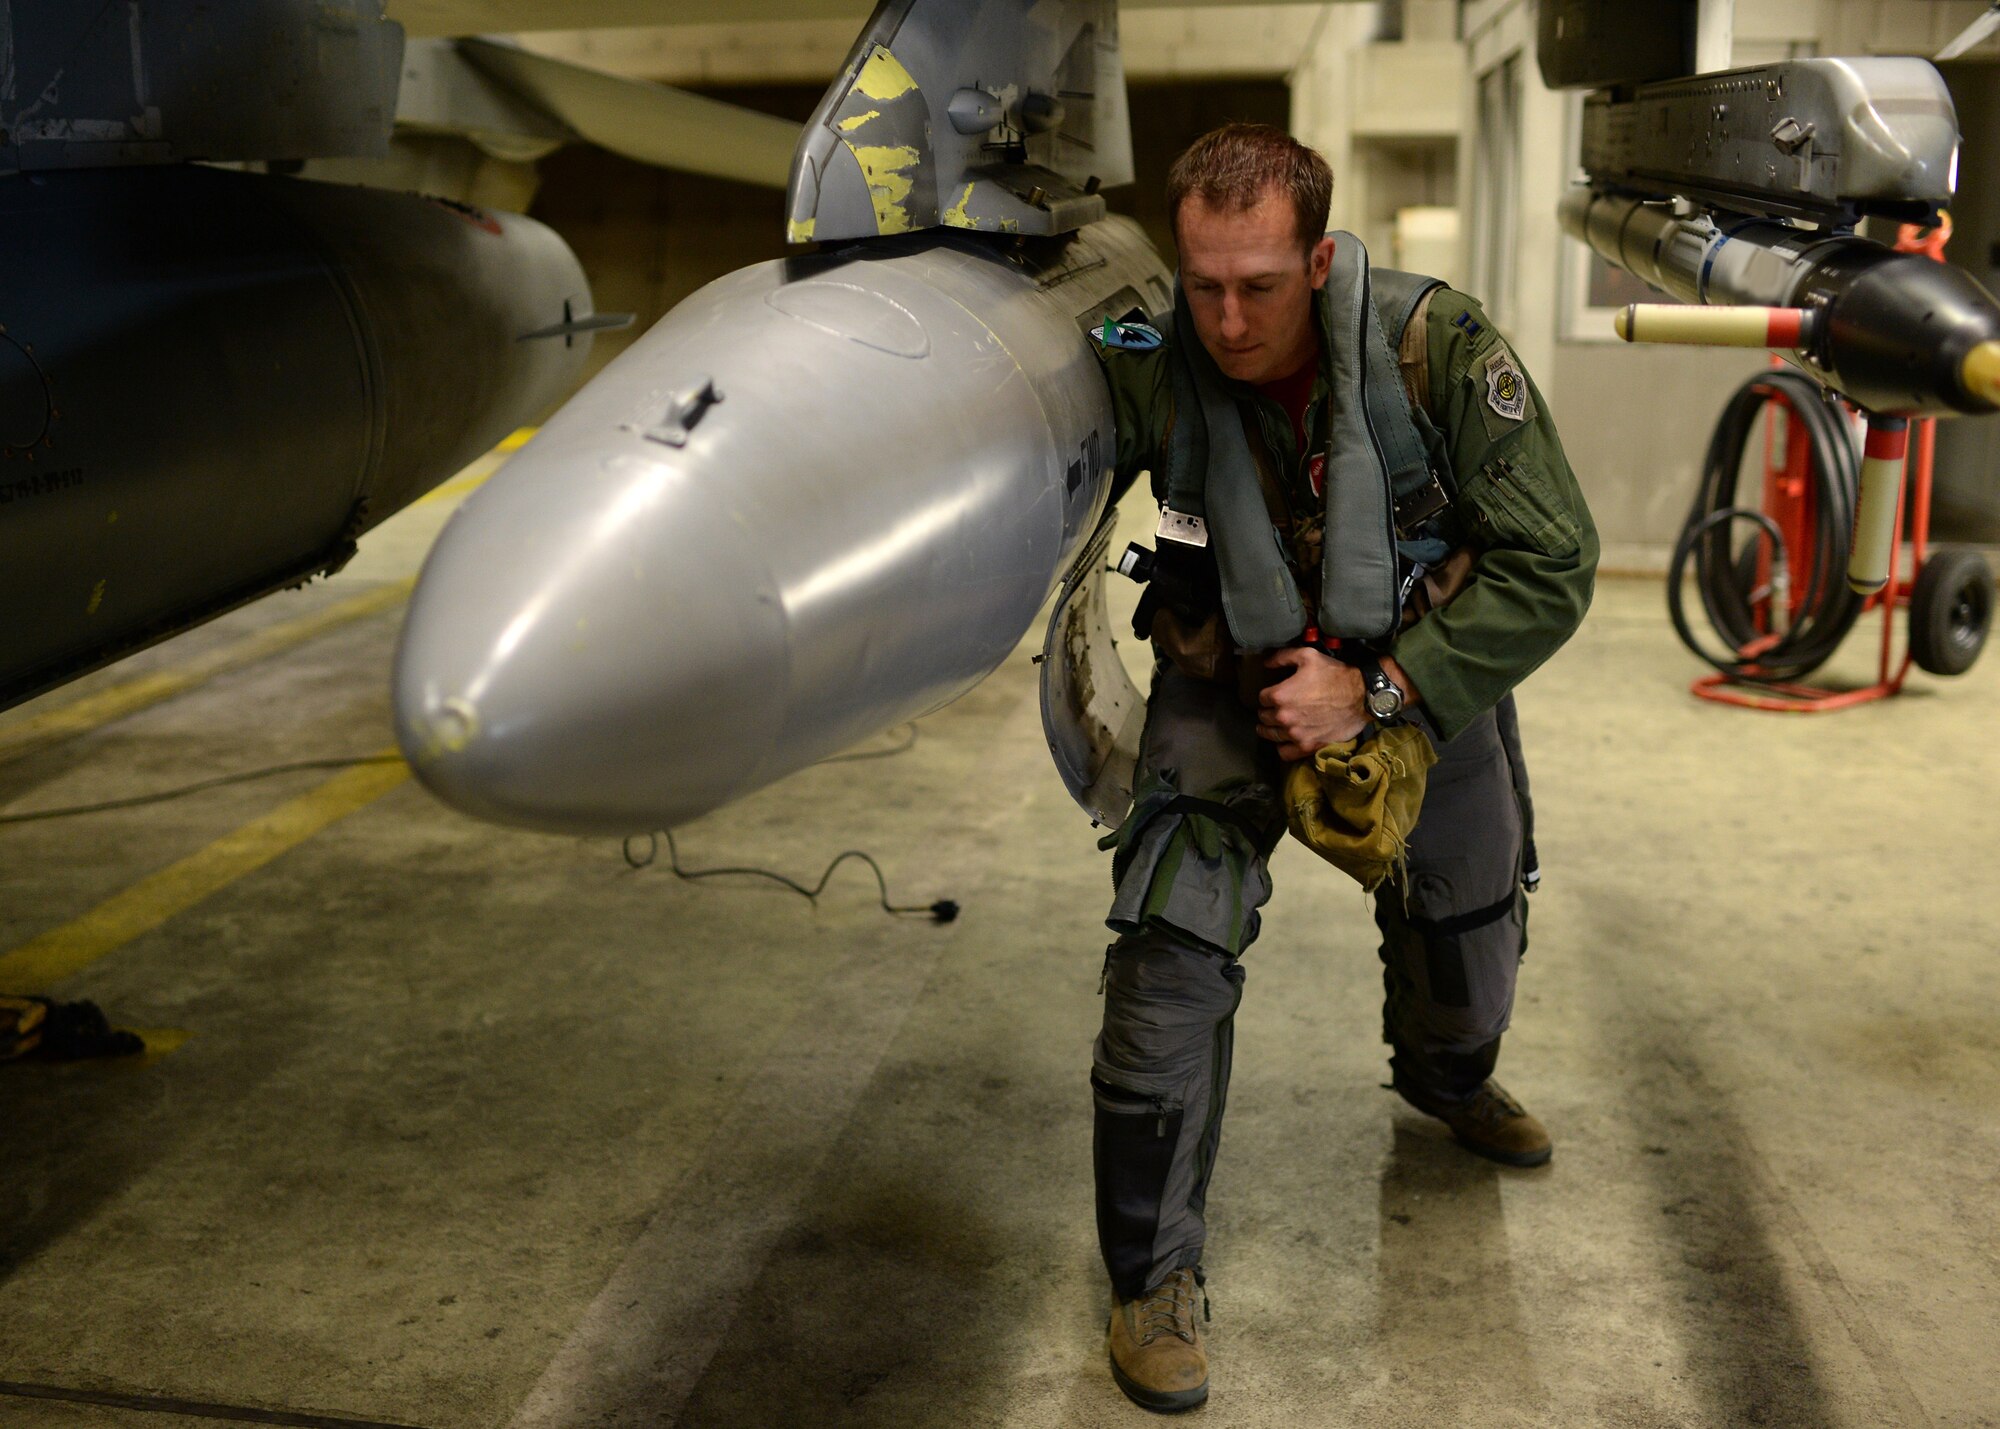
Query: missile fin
{"type": "Point", "coordinates": [1007, 117]}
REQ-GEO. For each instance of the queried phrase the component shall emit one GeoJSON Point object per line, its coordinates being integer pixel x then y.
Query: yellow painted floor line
{"type": "Point", "coordinates": [40, 963]}
{"type": "Point", "coordinates": [474, 476]}
{"type": "Point", "coordinates": [458, 486]}
{"type": "Point", "coordinates": [117, 701]}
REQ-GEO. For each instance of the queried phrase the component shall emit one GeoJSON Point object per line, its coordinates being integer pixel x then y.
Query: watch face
{"type": "Point", "coordinates": [1383, 703]}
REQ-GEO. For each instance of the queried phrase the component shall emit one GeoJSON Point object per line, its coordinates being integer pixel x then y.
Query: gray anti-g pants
{"type": "Point", "coordinates": [1191, 875]}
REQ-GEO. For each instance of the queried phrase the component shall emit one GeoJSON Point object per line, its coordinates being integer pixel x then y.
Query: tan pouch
{"type": "Point", "coordinates": [1356, 803]}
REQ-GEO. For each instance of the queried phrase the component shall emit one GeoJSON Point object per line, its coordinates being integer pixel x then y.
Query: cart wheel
{"type": "Point", "coordinates": [1951, 609]}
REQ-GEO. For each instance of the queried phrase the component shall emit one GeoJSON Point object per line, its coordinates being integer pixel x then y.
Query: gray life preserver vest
{"type": "Point", "coordinates": [1388, 475]}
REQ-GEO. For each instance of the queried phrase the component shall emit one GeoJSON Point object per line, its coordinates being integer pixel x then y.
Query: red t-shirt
{"type": "Point", "coordinates": [1294, 394]}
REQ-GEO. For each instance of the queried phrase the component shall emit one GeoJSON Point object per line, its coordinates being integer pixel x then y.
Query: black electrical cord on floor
{"type": "Point", "coordinates": [137, 801]}
{"type": "Point", "coordinates": [166, 795]}
{"type": "Point", "coordinates": [942, 911]}
{"type": "Point", "coordinates": [1830, 607]}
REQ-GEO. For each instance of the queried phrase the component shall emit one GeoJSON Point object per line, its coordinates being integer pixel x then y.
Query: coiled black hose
{"type": "Point", "coordinates": [1830, 606]}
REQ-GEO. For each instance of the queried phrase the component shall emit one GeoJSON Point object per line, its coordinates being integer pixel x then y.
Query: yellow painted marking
{"type": "Point", "coordinates": [956, 216]}
{"type": "Point", "coordinates": [848, 126]}
{"type": "Point", "coordinates": [96, 599]}
{"type": "Point", "coordinates": [800, 230]}
{"type": "Point", "coordinates": [517, 439]}
{"type": "Point", "coordinates": [883, 77]}
{"type": "Point", "coordinates": [62, 952]}
{"type": "Point", "coordinates": [117, 701]}
{"type": "Point", "coordinates": [886, 167]}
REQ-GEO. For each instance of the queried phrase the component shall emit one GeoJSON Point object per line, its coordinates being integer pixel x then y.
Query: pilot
{"type": "Point", "coordinates": [1382, 429]}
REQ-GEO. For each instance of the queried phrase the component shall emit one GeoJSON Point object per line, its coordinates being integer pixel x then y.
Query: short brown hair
{"type": "Point", "coordinates": [1235, 166]}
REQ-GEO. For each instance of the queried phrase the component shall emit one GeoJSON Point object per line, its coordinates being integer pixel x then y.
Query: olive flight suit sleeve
{"type": "Point", "coordinates": [1140, 401]}
{"type": "Point", "coordinates": [1518, 505]}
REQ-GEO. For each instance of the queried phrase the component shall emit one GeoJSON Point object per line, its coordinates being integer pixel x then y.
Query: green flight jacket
{"type": "Point", "coordinates": [1517, 503]}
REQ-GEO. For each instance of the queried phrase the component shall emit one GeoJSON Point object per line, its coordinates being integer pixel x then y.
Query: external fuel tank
{"type": "Point", "coordinates": [823, 495]}
{"type": "Point", "coordinates": [212, 381]}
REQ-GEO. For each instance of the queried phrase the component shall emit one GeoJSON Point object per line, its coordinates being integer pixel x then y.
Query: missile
{"type": "Point", "coordinates": [1742, 189]}
{"type": "Point", "coordinates": [1738, 192]}
{"type": "Point", "coordinates": [823, 495]}
{"type": "Point", "coordinates": [1895, 333]}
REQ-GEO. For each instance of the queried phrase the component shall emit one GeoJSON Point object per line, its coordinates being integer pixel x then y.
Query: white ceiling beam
{"type": "Point", "coordinates": [478, 17]}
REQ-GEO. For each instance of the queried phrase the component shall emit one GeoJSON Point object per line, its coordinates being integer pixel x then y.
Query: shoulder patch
{"type": "Point", "coordinates": [1506, 386]}
{"type": "Point", "coordinates": [1126, 337]}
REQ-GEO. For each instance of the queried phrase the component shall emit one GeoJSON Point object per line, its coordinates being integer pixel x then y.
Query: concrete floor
{"type": "Point", "coordinates": [475, 1128]}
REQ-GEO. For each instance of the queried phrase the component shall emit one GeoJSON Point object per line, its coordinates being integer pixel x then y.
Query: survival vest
{"type": "Point", "coordinates": [1388, 476]}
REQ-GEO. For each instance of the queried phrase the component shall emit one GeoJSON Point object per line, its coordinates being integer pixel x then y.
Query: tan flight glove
{"type": "Point", "coordinates": [1356, 803]}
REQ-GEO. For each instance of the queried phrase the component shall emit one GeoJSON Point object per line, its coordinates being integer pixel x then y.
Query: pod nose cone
{"type": "Point", "coordinates": [592, 648]}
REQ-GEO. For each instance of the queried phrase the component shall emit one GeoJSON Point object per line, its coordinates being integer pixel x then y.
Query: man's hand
{"type": "Point", "coordinates": [1317, 704]}
{"type": "Point", "coordinates": [1320, 702]}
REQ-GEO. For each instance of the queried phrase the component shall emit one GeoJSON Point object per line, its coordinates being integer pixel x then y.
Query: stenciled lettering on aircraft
{"type": "Point", "coordinates": [40, 483]}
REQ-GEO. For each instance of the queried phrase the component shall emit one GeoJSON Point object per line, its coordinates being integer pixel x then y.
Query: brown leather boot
{"type": "Point", "coordinates": [1157, 1355]}
{"type": "Point", "coordinates": [1494, 1125]}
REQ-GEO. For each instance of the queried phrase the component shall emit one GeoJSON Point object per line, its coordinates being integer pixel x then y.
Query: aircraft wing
{"type": "Point", "coordinates": [651, 123]}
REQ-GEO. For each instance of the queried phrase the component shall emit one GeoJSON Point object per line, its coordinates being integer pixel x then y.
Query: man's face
{"type": "Point", "coordinates": [1250, 285]}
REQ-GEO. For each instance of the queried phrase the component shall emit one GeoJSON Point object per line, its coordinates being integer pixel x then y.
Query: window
{"type": "Point", "coordinates": [1496, 186]}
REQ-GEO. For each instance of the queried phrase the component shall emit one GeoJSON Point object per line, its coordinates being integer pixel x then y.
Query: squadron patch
{"type": "Point", "coordinates": [1127, 337]}
{"type": "Point", "coordinates": [1506, 393]}
{"type": "Point", "coordinates": [1506, 388]}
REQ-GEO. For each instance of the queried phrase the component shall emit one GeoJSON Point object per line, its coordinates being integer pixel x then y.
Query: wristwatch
{"type": "Point", "coordinates": [1378, 692]}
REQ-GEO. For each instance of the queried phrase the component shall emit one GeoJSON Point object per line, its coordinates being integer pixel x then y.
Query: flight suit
{"type": "Point", "coordinates": [1190, 867]}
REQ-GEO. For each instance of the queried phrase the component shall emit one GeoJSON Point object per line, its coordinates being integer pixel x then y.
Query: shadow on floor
{"type": "Point", "coordinates": [1742, 1333]}
{"type": "Point", "coordinates": [1448, 1320]}
{"type": "Point", "coordinates": [78, 1134]}
{"type": "Point", "coordinates": [882, 1306]}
